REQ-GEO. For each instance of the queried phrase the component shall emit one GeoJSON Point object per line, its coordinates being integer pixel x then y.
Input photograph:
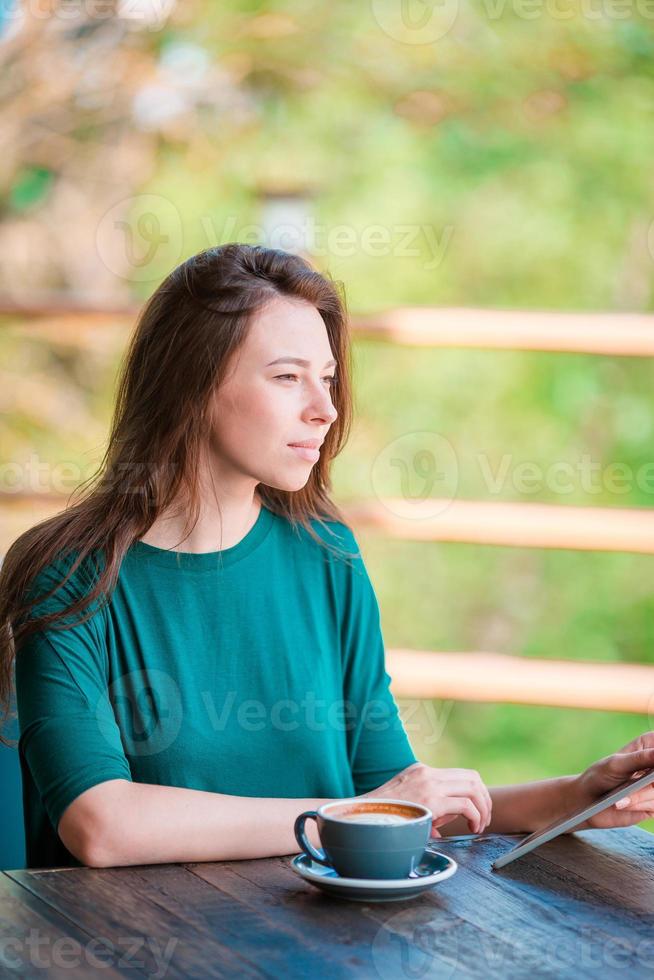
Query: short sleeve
{"type": "Point", "coordinates": [69, 738]}
{"type": "Point", "coordinates": [378, 744]}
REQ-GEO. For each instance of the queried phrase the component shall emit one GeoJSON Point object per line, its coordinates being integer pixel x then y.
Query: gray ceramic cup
{"type": "Point", "coordinates": [375, 838]}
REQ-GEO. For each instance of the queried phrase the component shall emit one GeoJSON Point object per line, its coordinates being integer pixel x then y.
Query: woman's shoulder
{"type": "Point", "coordinates": [62, 581]}
{"type": "Point", "coordinates": [68, 565]}
{"type": "Point", "coordinates": [337, 533]}
{"type": "Point", "coordinates": [332, 543]}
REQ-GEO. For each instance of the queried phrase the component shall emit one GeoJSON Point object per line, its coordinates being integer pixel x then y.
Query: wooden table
{"type": "Point", "coordinates": [581, 906]}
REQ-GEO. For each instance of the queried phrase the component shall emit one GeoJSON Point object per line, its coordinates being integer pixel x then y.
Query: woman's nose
{"type": "Point", "coordinates": [323, 407]}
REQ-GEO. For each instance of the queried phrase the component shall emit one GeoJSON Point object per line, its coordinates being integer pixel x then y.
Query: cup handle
{"type": "Point", "coordinates": [305, 844]}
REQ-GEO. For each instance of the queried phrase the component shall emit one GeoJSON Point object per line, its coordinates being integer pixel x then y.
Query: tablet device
{"type": "Point", "coordinates": [561, 824]}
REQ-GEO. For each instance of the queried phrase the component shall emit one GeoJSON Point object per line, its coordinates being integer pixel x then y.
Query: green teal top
{"type": "Point", "coordinates": [257, 670]}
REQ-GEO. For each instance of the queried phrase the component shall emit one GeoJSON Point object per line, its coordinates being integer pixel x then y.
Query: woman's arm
{"type": "Point", "coordinates": [524, 807]}
{"type": "Point", "coordinates": [119, 822]}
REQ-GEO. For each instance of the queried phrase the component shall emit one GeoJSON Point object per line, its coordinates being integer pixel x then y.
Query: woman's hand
{"type": "Point", "coordinates": [447, 792]}
{"type": "Point", "coordinates": [632, 761]}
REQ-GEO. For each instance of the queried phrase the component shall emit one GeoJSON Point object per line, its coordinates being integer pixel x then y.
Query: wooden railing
{"type": "Point", "coordinates": [428, 674]}
{"type": "Point", "coordinates": [616, 334]}
{"type": "Point", "coordinates": [521, 680]}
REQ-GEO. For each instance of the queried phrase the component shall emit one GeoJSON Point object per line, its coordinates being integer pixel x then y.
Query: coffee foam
{"type": "Point", "coordinates": [375, 818]}
{"type": "Point", "coordinates": [377, 813]}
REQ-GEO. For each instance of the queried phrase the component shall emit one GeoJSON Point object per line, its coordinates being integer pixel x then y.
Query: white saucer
{"type": "Point", "coordinates": [434, 868]}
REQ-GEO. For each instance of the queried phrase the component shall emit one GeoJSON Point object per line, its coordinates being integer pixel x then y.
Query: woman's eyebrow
{"type": "Point", "coordinates": [296, 360]}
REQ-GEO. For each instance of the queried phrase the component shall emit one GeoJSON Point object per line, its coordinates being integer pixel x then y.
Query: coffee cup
{"type": "Point", "coordinates": [374, 838]}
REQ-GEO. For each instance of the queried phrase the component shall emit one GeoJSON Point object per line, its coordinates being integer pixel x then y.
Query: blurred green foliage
{"type": "Point", "coordinates": [524, 142]}
{"type": "Point", "coordinates": [518, 407]}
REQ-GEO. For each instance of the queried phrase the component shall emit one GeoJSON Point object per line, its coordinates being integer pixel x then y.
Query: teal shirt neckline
{"type": "Point", "coordinates": [206, 560]}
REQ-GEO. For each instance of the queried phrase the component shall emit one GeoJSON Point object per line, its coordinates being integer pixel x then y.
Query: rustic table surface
{"type": "Point", "coordinates": [580, 906]}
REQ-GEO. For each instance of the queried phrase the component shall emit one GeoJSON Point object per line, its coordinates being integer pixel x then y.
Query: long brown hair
{"type": "Point", "coordinates": [185, 335]}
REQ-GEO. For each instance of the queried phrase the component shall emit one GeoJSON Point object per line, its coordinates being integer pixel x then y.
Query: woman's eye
{"type": "Point", "coordinates": [330, 378]}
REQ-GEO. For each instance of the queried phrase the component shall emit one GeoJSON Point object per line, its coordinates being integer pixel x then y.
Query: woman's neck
{"type": "Point", "coordinates": [215, 530]}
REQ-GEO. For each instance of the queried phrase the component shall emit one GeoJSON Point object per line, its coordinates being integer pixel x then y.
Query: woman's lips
{"type": "Point", "coordinates": [311, 455]}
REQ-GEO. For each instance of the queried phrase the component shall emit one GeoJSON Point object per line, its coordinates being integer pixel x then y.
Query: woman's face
{"type": "Point", "coordinates": [262, 407]}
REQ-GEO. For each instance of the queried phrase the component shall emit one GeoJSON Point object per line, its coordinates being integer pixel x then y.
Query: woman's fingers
{"type": "Point", "coordinates": [636, 815]}
{"type": "Point", "coordinates": [638, 801]}
{"type": "Point", "coordinates": [630, 762]}
{"type": "Point", "coordinates": [443, 791]}
{"type": "Point", "coordinates": [644, 741]}
{"type": "Point", "coordinates": [473, 776]}
{"type": "Point", "coordinates": [489, 803]}
{"type": "Point", "coordinates": [459, 806]}
{"type": "Point", "coordinates": [460, 792]}
{"type": "Point", "coordinates": [474, 792]}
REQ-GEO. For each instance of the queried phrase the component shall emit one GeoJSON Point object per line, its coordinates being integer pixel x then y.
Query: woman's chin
{"type": "Point", "coordinates": [291, 483]}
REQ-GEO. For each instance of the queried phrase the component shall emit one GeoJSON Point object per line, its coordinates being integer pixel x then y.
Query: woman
{"type": "Point", "coordinates": [197, 644]}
